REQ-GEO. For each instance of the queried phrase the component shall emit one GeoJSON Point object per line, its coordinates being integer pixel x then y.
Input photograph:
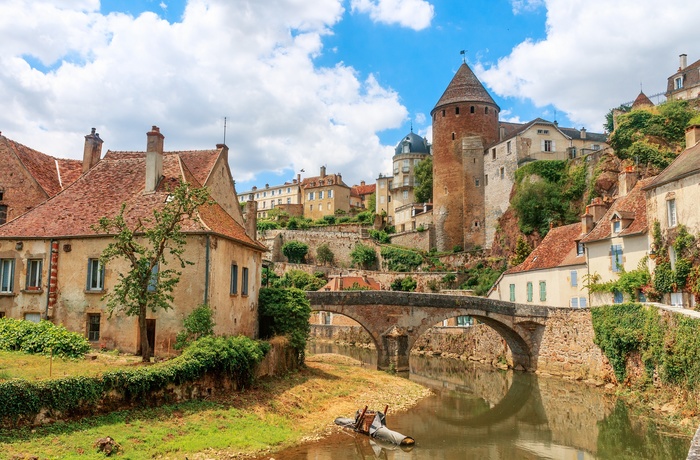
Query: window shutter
{"type": "Point", "coordinates": [542, 145]}
{"type": "Point", "coordinates": [554, 146]}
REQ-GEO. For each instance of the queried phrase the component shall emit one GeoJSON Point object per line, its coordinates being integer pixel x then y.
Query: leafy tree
{"type": "Point", "coordinates": [364, 256]}
{"type": "Point", "coordinates": [295, 251]}
{"type": "Point", "coordinates": [609, 117]}
{"type": "Point", "coordinates": [424, 179]}
{"type": "Point", "coordinates": [324, 254]}
{"type": "Point", "coordinates": [522, 250]}
{"type": "Point", "coordinates": [285, 312]}
{"type": "Point", "coordinates": [199, 323]}
{"type": "Point", "coordinates": [371, 203]}
{"type": "Point", "coordinates": [264, 225]}
{"type": "Point", "coordinates": [407, 284]}
{"type": "Point", "coordinates": [301, 280]}
{"type": "Point", "coordinates": [148, 285]}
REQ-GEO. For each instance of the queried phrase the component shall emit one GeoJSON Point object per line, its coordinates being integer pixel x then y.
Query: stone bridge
{"type": "Point", "coordinates": [395, 320]}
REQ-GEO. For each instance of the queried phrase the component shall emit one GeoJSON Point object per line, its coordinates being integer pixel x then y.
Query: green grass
{"type": "Point", "coordinates": [16, 365]}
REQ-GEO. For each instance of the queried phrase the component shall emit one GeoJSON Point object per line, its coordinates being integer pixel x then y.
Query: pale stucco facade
{"type": "Point", "coordinates": [563, 287]}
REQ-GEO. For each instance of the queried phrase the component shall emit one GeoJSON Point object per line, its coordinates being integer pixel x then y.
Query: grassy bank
{"type": "Point", "coordinates": [275, 414]}
{"type": "Point", "coordinates": [16, 365]}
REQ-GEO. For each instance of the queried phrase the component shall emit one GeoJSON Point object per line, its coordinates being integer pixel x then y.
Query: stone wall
{"type": "Point", "coordinates": [476, 343]}
{"type": "Point", "coordinates": [422, 241]}
{"type": "Point", "coordinates": [341, 243]}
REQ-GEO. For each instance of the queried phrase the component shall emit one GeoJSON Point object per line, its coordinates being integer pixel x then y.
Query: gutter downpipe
{"type": "Point", "coordinates": [49, 272]}
{"type": "Point", "coordinates": [206, 272]}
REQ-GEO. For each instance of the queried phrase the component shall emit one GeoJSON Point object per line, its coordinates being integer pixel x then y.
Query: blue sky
{"type": "Point", "coordinates": [328, 82]}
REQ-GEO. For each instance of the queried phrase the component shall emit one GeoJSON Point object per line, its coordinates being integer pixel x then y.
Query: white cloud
{"type": "Point", "coordinates": [122, 74]}
{"type": "Point", "coordinates": [595, 54]}
{"type": "Point", "coordinates": [415, 14]}
{"type": "Point", "coordinates": [522, 6]}
{"type": "Point", "coordinates": [420, 118]}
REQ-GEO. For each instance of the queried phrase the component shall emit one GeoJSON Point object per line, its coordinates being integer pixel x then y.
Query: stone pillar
{"type": "Point", "coordinates": [394, 352]}
{"type": "Point", "coordinates": [53, 280]}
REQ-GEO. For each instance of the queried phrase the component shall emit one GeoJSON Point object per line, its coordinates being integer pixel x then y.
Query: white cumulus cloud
{"type": "Point", "coordinates": [414, 14]}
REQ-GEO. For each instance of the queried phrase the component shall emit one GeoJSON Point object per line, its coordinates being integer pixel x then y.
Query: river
{"type": "Point", "coordinates": [478, 412]}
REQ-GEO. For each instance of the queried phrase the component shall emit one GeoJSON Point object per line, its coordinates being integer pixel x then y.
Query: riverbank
{"type": "Point", "coordinates": [275, 414]}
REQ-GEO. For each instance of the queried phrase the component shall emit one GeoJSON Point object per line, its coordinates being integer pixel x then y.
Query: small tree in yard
{"type": "Point", "coordinates": [199, 323]}
{"type": "Point", "coordinates": [364, 256]}
{"type": "Point", "coordinates": [324, 254]}
{"type": "Point", "coordinates": [295, 251]}
{"type": "Point", "coordinates": [148, 285]}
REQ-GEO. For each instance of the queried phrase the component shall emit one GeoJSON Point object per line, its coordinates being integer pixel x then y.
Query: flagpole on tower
{"type": "Point", "coordinates": [464, 56]}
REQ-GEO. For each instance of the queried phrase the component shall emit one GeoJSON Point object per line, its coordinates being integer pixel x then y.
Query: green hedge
{"type": "Point", "coordinates": [41, 338]}
{"type": "Point", "coordinates": [285, 312]}
{"type": "Point", "coordinates": [235, 357]}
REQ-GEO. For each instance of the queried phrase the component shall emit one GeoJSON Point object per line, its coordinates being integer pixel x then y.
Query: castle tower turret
{"type": "Point", "coordinates": [465, 121]}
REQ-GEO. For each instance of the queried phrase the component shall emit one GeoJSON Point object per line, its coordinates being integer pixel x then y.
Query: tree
{"type": "Point", "coordinates": [324, 254]}
{"type": "Point", "coordinates": [522, 250]}
{"type": "Point", "coordinates": [372, 202]}
{"type": "Point", "coordinates": [295, 251]}
{"type": "Point", "coordinates": [407, 284]}
{"type": "Point", "coordinates": [424, 180]}
{"type": "Point", "coordinates": [148, 285]}
{"type": "Point", "coordinates": [199, 323]}
{"type": "Point", "coordinates": [364, 256]}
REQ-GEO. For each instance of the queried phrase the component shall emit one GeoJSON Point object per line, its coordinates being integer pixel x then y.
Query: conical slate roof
{"type": "Point", "coordinates": [642, 101]}
{"type": "Point", "coordinates": [465, 87]}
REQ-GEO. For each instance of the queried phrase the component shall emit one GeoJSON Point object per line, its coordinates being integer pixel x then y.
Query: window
{"type": "Point", "coordinates": [244, 281]}
{"type": "Point", "coordinates": [493, 154]}
{"type": "Point", "coordinates": [678, 82]}
{"type": "Point", "coordinates": [617, 297]}
{"type": "Point", "coordinates": [405, 180]}
{"type": "Point", "coordinates": [486, 110]}
{"type": "Point", "coordinates": [464, 321]}
{"type": "Point", "coordinates": [311, 207]}
{"type": "Point", "coordinates": [617, 226]}
{"type": "Point", "coordinates": [407, 163]}
{"type": "Point", "coordinates": [508, 147]}
{"type": "Point", "coordinates": [93, 327]}
{"type": "Point", "coordinates": [580, 249]}
{"type": "Point", "coordinates": [671, 212]}
{"type": "Point", "coordinates": [7, 275]}
{"type": "Point", "coordinates": [529, 291]}
{"type": "Point", "coordinates": [279, 200]}
{"type": "Point", "coordinates": [582, 302]}
{"type": "Point", "coordinates": [486, 179]}
{"type": "Point", "coordinates": [542, 131]}
{"type": "Point", "coordinates": [547, 145]}
{"type": "Point", "coordinates": [574, 302]}
{"type": "Point", "coordinates": [264, 194]}
{"type": "Point", "coordinates": [328, 206]}
{"type": "Point", "coordinates": [311, 196]}
{"type": "Point", "coordinates": [233, 290]}
{"type": "Point", "coordinates": [476, 182]}
{"type": "Point", "coordinates": [388, 199]}
{"type": "Point", "coordinates": [406, 148]}
{"type": "Point", "coordinates": [574, 278]}
{"type": "Point", "coordinates": [512, 292]}
{"type": "Point", "coordinates": [320, 195]}
{"type": "Point", "coordinates": [153, 282]}
{"type": "Point", "coordinates": [443, 113]}
{"type": "Point", "coordinates": [502, 172]}
{"type": "Point", "coordinates": [677, 299]}
{"type": "Point", "coordinates": [3, 214]}
{"type": "Point", "coordinates": [2, 194]}
{"type": "Point", "coordinates": [289, 190]}
{"type": "Point", "coordinates": [405, 195]}
{"type": "Point", "coordinates": [471, 109]}
{"type": "Point", "coordinates": [34, 274]}
{"type": "Point", "coordinates": [33, 317]}
{"type": "Point", "coordinates": [616, 257]}
{"type": "Point", "coordinates": [453, 136]}
{"type": "Point", "coordinates": [543, 291]}
{"type": "Point", "coordinates": [381, 184]}
{"type": "Point", "coordinates": [289, 201]}
{"type": "Point", "coordinates": [672, 257]}
{"type": "Point", "coordinates": [595, 146]}
{"type": "Point", "coordinates": [95, 275]}
{"type": "Point", "coordinates": [330, 193]}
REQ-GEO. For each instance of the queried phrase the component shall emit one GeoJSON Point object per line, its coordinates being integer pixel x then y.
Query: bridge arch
{"type": "Point", "coordinates": [395, 320]}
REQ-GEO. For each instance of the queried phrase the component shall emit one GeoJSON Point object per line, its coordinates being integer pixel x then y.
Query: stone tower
{"type": "Point", "coordinates": [465, 122]}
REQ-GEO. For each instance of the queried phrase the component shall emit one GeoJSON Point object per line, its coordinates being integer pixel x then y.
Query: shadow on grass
{"type": "Point", "coordinates": [264, 391]}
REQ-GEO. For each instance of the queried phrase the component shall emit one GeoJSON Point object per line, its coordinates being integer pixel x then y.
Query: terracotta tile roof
{"type": "Point", "coordinates": [52, 174]}
{"type": "Point", "coordinates": [642, 101]}
{"type": "Point", "coordinates": [362, 190]}
{"type": "Point", "coordinates": [116, 179]}
{"type": "Point", "coordinates": [685, 164]}
{"type": "Point", "coordinates": [315, 181]}
{"type": "Point", "coordinates": [465, 87]}
{"type": "Point", "coordinates": [557, 249]}
{"type": "Point", "coordinates": [344, 282]}
{"type": "Point", "coordinates": [631, 206]}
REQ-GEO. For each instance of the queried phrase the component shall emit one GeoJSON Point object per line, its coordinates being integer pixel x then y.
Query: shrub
{"type": "Point", "coordinates": [41, 338]}
{"type": "Point", "coordinates": [264, 225]}
{"type": "Point", "coordinates": [199, 323]}
{"type": "Point", "coordinates": [295, 251]}
{"type": "Point", "coordinates": [380, 236]}
{"type": "Point", "coordinates": [300, 280]}
{"type": "Point", "coordinates": [365, 217]}
{"type": "Point", "coordinates": [285, 312]}
{"type": "Point", "coordinates": [401, 260]}
{"type": "Point", "coordinates": [330, 220]}
{"type": "Point", "coordinates": [407, 284]}
{"type": "Point", "coordinates": [364, 256]}
{"type": "Point", "coordinates": [324, 254]}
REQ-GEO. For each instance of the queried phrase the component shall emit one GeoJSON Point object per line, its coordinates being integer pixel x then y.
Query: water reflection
{"type": "Point", "coordinates": [481, 413]}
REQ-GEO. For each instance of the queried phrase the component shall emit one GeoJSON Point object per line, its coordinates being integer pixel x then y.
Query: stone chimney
{"type": "Point", "coordinates": [154, 159]}
{"type": "Point", "coordinates": [362, 183]}
{"type": "Point", "coordinates": [627, 180]}
{"type": "Point", "coordinates": [597, 209]}
{"type": "Point", "coordinates": [323, 172]}
{"type": "Point", "coordinates": [692, 136]}
{"type": "Point", "coordinates": [251, 217]}
{"type": "Point", "coordinates": [92, 151]}
{"type": "Point", "coordinates": [501, 133]}
{"type": "Point", "coordinates": [683, 61]}
{"type": "Point", "coordinates": [224, 151]}
{"type": "Point", "coordinates": [583, 133]}
{"type": "Point", "coordinates": [587, 222]}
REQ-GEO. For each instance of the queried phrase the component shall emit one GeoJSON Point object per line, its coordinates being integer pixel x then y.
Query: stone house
{"type": "Point", "coordinates": [522, 143]}
{"type": "Point", "coordinates": [49, 257]}
{"type": "Point", "coordinates": [685, 82]}
{"type": "Point", "coordinates": [619, 241]}
{"type": "Point", "coordinates": [552, 275]}
{"type": "Point", "coordinates": [672, 198]}
{"type": "Point", "coordinates": [29, 177]}
{"type": "Point", "coordinates": [359, 195]}
{"type": "Point", "coordinates": [324, 195]}
{"type": "Point", "coordinates": [286, 197]}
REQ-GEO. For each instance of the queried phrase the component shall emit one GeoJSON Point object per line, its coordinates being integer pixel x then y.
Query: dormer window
{"type": "Point", "coordinates": [406, 148]}
{"type": "Point", "coordinates": [678, 82]}
{"type": "Point", "coordinates": [616, 226]}
{"type": "Point", "coordinates": [580, 249]}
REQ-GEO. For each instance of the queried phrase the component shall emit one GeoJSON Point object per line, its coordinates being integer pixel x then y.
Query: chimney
{"type": "Point", "coordinates": [501, 133]}
{"type": "Point", "coordinates": [627, 180]}
{"type": "Point", "coordinates": [362, 183]}
{"type": "Point", "coordinates": [92, 150]}
{"type": "Point", "coordinates": [298, 178]}
{"type": "Point", "coordinates": [323, 172]}
{"type": "Point", "coordinates": [154, 158]}
{"type": "Point", "coordinates": [597, 209]}
{"type": "Point", "coordinates": [583, 133]}
{"type": "Point", "coordinates": [224, 151]}
{"type": "Point", "coordinates": [587, 222]}
{"type": "Point", "coordinates": [251, 217]}
{"type": "Point", "coordinates": [683, 61]}
{"type": "Point", "coordinates": [692, 135]}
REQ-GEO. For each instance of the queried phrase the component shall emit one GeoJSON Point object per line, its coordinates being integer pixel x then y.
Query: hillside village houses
{"type": "Point", "coordinates": [285, 197]}
{"type": "Point", "coordinates": [685, 82]}
{"type": "Point", "coordinates": [49, 256]}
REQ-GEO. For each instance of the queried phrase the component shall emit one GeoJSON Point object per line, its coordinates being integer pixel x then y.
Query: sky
{"type": "Point", "coordinates": [303, 84]}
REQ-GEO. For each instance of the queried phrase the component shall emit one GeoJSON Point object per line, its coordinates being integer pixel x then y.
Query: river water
{"type": "Point", "coordinates": [478, 412]}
